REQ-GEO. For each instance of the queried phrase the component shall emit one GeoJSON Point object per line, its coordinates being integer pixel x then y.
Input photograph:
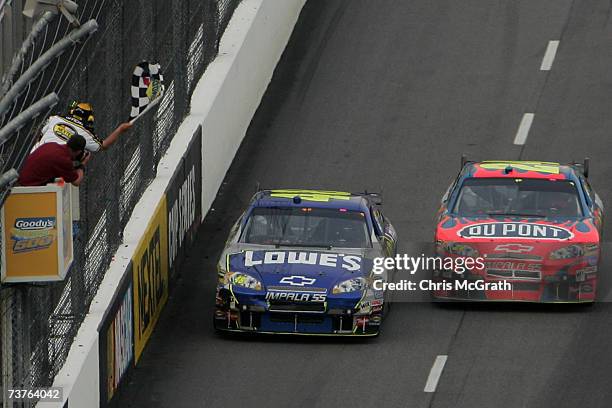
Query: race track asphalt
{"type": "Point", "coordinates": [387, 95]}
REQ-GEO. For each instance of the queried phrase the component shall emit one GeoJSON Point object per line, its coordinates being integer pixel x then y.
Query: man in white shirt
{"type": "Point", "coordinates": [79, 120]}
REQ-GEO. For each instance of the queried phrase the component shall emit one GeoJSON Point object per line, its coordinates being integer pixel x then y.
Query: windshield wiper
{"type": "Point", "coordinates": [278, 245]}
{"type": "Point", "coordinates": [279, 212]}
{"type": "Point", "coordinates": [504, 214]}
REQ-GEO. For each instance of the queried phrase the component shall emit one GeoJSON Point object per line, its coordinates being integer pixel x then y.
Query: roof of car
{"type": "Point", "coordinates": [519, 169]}
{"type": "Point", "coordinates": [310, 198]}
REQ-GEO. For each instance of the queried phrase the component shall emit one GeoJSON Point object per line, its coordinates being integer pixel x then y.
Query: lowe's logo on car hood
{"type": "Point", "coordinates": [326, 259]}
{"type": "Point", "coordinates": [516, 230]}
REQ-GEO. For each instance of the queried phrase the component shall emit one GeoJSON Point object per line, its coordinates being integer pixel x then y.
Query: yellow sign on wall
{"type": "Point", "coordinates": [37, 234]}
{"type": "Point", "coordinates": [150, 269]}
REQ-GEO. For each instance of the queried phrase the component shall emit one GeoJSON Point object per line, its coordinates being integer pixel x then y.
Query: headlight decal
{"type": "Point", "coordinates": [244, 280]}
{"type": "Point", "coordinates": [456, 248]}
{"type": "Point", "coordinates": [567, 252]}
{"type": "Point", "coordinates": [461, 249]}
{"type": "Point", "coordinates": [350, 285]}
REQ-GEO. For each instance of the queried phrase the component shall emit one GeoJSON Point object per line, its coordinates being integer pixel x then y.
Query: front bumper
{"type": "Point", "coordinates": [550, 289]}
{"type": "Point", "coordinates": [337, 317]}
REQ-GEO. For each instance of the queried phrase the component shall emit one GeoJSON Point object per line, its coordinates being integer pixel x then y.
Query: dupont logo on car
{"type": "Point", "coordinates": [35, 223]}
{"type": "Point", "coordinates": [518, 230]}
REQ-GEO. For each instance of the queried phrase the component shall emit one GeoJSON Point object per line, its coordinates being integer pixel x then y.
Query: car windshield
{"type": "Point", "coordinates": [520, 197]}
{"type": "Point", "coordinates": [311, 227]}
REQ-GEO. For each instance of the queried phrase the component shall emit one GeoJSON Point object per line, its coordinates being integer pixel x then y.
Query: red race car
{"type": "Point", "coordinates": [534, 226]}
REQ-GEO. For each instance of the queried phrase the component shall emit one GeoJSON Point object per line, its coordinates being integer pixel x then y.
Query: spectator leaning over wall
{"type": "Point", "coordinates": [79, 120]}
{"type": "Point", "coordinates": [54, 160]}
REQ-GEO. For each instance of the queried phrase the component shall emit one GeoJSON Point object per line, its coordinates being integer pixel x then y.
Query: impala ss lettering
{"type": "Point", "coordinates": [520, 230]}
{"type": "Point", "coordinates": [296, 296]}
{"type": "Point", "coordinates": [513, 266]}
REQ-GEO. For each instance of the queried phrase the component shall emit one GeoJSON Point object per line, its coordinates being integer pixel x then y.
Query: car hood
{"type": "Point", "coordinates": [299, 267]}
{"type": "Point", "coordinates": [519, 229]}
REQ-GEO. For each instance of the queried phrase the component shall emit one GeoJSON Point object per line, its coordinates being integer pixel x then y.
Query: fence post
{"type": "Point", "coordinates": [16, 363]}
{"type": "Point", "coordinates": [180, 44]}
{"type": "Point", "coordinates": [6, 329]}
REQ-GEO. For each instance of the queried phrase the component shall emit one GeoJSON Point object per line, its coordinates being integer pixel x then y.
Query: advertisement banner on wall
{"type": "Point", "coordinates": [117, 340]}
{"type": "Point", "coordinates": [37, 234]}
{"type": "Point", "coordinates": [143, 292]}
{"type": "Point", "coordinates": [150, 275]}
{"type": "Point", "coordinates": [184, 203]}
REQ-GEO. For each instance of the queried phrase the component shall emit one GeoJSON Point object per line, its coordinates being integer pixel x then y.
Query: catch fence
{"type": "Point", "coordinates": [39, 322]}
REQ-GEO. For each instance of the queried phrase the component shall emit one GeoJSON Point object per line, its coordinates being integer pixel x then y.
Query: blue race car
{"type": "Point", "coordinates": [300, 262]}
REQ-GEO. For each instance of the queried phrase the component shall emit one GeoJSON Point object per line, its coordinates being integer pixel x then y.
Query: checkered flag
{"type": "Point", "coordinates": [147, 88]}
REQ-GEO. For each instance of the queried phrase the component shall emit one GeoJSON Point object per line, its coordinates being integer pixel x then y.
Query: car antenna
{"type": "Point", "coordinates": [464, 160]}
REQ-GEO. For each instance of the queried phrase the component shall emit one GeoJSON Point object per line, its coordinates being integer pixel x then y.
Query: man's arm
{"type": "Point", "coordinates": [112, 138]}
{"type": "Point", "coordinates": [65, 169]}
{"type": "Point", "coordinates": [80, 175]}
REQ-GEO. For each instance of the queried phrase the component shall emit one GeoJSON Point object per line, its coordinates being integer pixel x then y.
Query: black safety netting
{"type": "Point", "coordinates": [39, 322]}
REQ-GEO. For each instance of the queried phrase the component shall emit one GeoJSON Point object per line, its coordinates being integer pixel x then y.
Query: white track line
{"type": "Point", "coordinates": [435, 373]}
{"type": "Point", "coordinates": [523, 130]}
{"type": "Point", "coordinates": [549, 55]}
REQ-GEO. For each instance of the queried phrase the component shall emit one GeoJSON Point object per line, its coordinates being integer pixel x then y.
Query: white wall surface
{"type": "Point", "coordinates": [233, 85]}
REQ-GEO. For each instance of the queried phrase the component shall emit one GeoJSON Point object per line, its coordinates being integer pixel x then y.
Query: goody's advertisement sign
{"type": "Point", "coordinates": [37, 234]}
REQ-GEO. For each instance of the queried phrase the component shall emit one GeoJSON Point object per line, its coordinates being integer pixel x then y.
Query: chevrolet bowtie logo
{"type": "Point", "coordinates": [297, 280]}
{"type": "Point", "coordinates": [514, 248]}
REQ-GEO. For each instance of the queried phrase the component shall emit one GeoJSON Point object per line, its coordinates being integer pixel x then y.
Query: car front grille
{"type": "Point", "coordinates": [514, 274]}
{"type": "Point", "coordinates": [296, 289]}
{"type": "Point", "coordinates": [297, 307]}
{"type": "Point", "coordinates": [512, 257]}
